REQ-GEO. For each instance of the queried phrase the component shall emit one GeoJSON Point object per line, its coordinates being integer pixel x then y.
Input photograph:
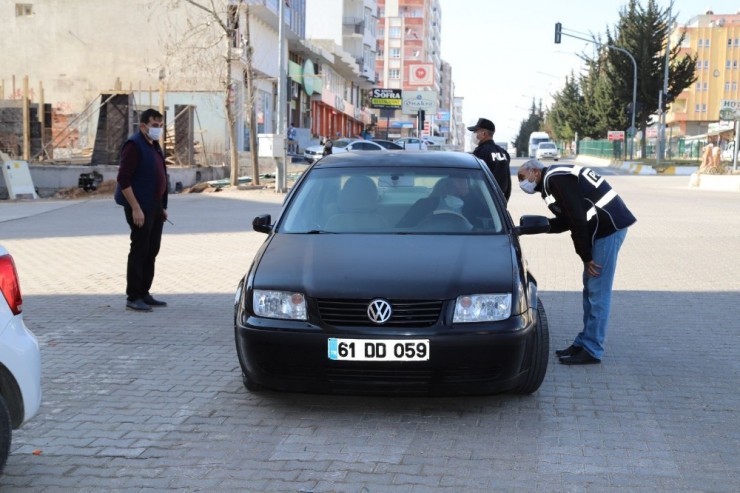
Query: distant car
{"type": "Point", "coordinates": [412, 143]}
{"type": "Point", "coordinates": [20, 359]}
{"type": "Point", "coordinates": [547, 150]}
{"type": "Point", "coordinates": [395, 273]}
{"type": "Point", "coordinates": [388, 144]}
{"type": "Point", "coordinates": [314, 153]}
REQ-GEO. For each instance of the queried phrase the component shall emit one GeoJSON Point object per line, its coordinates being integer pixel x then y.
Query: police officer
{"type": "Point", "coordinates": [597, 218]}
{"type": "Point", "coordinates": [495, 157]}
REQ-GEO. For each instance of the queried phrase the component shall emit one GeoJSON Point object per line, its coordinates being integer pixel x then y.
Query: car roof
{"type": "Point", "coordinates": [433, 159]}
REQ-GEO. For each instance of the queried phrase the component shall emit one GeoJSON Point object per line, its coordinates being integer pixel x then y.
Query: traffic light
{"type": "Point", "coordinates": [667, 100]}
{"type": "Point", "coordinates": [420, 123]}
{"type": "Point", "coordinates": [558, 32]}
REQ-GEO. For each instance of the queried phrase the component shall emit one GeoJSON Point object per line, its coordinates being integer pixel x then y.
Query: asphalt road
{"type": "Point", "coordinates": [155, 402]}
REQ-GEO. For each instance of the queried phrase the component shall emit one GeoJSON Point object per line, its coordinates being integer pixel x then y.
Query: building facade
{"type": "Point", "coordinates": [410, 59]}
{"type": "Point", "coordinates": [715, 40]}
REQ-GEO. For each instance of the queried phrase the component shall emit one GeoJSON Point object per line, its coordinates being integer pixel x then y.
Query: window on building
{"type": "Point", "coordinates": [728, 64]}
{"type": "Point", "coordinates": [23, 9]}
{"type": "Point", "coordinates": [704, 108]}
{"type": "Point", "coordinates": [394, 73]}
{"type": "Point", "coordinates": [729, 41]}
{"type": "Point", "coordinates": [700, 42]}
{"type": "Point", "coordinates": [394, 32]}
{"type": "Point", "coordinates": [737, 42]}
{"type": "Point", "coordinates": [697, 108]}
{"type": "Point", "coordinates": [706, 64]}
{"type": "Point", "coordinates": [727, 86]}
{"type": "Point", "coordinates": [706, 43]}
{"type": "Point", "coordinates": [734, 86]}
{"type": "Point", "coordinates": [395, 53]}
{"type": "Point", "coordinates": [734, 65]}
{"type": "Point", "coordinates": [705, 86]}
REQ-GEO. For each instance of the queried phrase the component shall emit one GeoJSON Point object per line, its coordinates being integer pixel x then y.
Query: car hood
{"type": "Point", "coordinates": [392, 266]}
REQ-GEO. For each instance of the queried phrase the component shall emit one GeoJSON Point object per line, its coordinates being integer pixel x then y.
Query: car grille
{"type": "Point", "coordinates": [405, 312]}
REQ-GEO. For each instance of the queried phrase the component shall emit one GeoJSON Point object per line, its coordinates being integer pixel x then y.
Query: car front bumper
{"type": "Point", "coordinates": [486, 359]}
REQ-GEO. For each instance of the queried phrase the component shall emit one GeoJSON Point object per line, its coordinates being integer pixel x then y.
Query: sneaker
{"type": "Point", "coordinates": [138, 305]}
{"type": "Point", "coordinates": [149, 300]}
{"type": "Point", "coordinates": [569, 351]}
{"type": "Point", "coordinates": [580, 358]}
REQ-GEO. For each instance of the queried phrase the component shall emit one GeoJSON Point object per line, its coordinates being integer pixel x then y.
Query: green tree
{"type": "Point", "coordinates": [643, 31]}
{"type": "Point", "coordinates": [533, 123]}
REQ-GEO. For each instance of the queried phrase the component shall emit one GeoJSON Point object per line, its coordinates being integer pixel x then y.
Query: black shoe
{"type": "Point", "coordinates": [138, 305]}
{"type": "Point", "coordinates": [149, 300]}
{"type": "Point", "coordinates": [581, 358]}
{"type": "Point", "coordinates": [569, 351]}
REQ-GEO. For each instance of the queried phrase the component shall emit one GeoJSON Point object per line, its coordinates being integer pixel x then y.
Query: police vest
{"type": "Point", "coordinates": [597, 193]}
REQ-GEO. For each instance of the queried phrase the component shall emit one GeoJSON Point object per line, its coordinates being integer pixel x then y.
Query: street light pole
{"type": "Point", "coordinates": [559, 33]}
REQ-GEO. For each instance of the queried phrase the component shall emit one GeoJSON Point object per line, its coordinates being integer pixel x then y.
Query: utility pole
{"type": "Point", "coordinates": [558, 35]}
{"type": "Point", "coordinates": [662, 98]}
{"type": "Point", "coordinates": [281, 182]}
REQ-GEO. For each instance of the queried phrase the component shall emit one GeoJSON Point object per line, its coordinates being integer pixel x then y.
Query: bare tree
{"type": "Point", "coordinates": [198, 47]}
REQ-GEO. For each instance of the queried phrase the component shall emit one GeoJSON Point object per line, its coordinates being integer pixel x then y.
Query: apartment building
{"type": "Point", "coordinates": [409, 58]}
{"type": "Point", "coordinates": [715, 39]}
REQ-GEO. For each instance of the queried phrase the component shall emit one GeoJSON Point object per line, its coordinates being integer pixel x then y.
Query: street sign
{"type": "Point", "coordinates": [615, 135]}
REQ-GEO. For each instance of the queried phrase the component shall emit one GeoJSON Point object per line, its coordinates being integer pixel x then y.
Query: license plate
{"type": "Point", "coordinates": [379, 349]}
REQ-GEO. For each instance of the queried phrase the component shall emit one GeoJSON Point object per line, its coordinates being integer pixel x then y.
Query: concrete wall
{"type": "Point", "coordinates": [49, 178]}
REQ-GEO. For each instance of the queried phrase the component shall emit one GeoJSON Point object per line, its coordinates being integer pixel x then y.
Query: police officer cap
{"type": "Point", "coordinates": [484, 124]}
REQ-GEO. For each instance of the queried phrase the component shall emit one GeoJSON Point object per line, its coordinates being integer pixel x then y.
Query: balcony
{"type": "Point", "coordinates": [353, 25]}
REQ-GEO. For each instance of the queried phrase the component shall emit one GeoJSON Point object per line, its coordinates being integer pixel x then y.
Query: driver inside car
{"type": "Point", "coordinates": [450, 194]}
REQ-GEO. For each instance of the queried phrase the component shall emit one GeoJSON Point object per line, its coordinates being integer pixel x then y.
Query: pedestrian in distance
{"type": "Point", "coordinates": [292, 145]}
{"type": "Point", "coordinates": [597, 218]}
{"type": "Point", "coordinates": [328, 144]}
{"type": "Point", "coordinates": [495, 157]}
{"type": "Point", "coordinates": [142, 191]}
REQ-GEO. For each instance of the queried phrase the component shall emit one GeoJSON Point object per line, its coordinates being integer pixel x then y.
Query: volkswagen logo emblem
{"type": "Point", "coordinates": [379, 311]}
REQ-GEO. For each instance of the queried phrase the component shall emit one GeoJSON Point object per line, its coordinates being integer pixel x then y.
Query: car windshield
{"type": "Point", "coordinates": [546, 145]}
{"type": "Point", "coordinates": [341, 143]}
{"type": "Point", "coordinates": [393, 201]}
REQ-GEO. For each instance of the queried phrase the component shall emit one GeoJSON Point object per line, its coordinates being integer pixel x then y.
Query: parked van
{"type": "Point", "coordinates": [534, 140]}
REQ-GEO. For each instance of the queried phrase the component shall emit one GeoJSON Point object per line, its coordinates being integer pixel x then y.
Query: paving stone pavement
{"type": "Point", "coordinates": [154, 401]}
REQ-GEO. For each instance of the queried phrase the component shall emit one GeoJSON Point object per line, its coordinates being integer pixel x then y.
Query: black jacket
{"type": "Point", "coordinates": [498, 161]}
{"type": "Point", "coordinates": [572, 193]}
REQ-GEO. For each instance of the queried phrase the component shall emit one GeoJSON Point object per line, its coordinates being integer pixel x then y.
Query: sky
{"type": "Point", "coordinates": [503, 53]}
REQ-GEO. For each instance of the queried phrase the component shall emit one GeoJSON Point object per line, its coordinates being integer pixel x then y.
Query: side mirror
{"type": "Point", "coordinates": [532, 225]}
{"type": "Point", "coordinates": [262, 224]}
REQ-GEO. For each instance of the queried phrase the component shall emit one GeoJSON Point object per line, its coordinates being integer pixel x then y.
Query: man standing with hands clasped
{"type": "Point", "coordinates": [496, 158]}
{"type": "Point", "coordinates": [142, 191]}
{"type": "Point", "coordinates": [597, 218]}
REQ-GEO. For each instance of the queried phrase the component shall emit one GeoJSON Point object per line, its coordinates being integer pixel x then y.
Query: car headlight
{"type": "Point", "coordinates": [482, 308]}
{"type": "Point", "coordinates": [279, 304]}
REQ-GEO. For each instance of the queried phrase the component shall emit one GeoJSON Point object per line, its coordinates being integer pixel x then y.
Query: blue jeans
{"type": "Point", "coordinates": [597, 294]}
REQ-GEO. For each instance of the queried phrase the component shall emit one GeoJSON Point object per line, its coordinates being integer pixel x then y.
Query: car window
{"type": "Point", "coordinates": [546, 145]}
{"type": "Point", "coordinates": [341, 143]}
{"type": "Point", "coordinates": [364, 146]}
{"type": "Point", "coordinates": [397, 201]}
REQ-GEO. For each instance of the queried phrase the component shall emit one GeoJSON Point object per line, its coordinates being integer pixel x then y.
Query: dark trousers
{"type": "Point", "coordinates": [145, 242]}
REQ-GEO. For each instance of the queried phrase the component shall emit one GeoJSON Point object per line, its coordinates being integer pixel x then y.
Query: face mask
{"type": "Point", "coordinates": [474, 139]}
{"type": "Point", "coordinates": [453, 203]}
{"type": "Point", "coordinates": [155, 133]}
{"type": "Point", "coordinates": [527, 186]}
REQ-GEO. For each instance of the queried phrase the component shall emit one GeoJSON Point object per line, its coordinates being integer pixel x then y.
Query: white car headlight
{"type": "Point", "coordinates": [279, 304]}
{"type": "Point", "coordinates": [482, 308]}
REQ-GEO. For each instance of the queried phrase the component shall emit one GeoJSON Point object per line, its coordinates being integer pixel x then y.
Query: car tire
{"type": "Point", "coordinates": [5, 433]}
{"type": "Point", "coordinates": [249, 384]}
{"type": "Point", "coordinates": [538, 355]}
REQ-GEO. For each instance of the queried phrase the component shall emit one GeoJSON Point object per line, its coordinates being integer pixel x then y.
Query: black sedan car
{"type": "Point", "coordinates": [392, 272]}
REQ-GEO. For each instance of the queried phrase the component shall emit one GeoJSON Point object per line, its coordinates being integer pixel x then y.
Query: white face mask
{"type": "Point", "coordinates": [474, 139]}
{"type": "Point", "coordinates": [527, 186]}
{"type": "Point", "coordinates": [453, 203]}
{"type": "Point", "coordinates": [155, 133]}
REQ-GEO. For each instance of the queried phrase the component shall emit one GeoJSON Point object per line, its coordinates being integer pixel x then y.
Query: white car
{"type": "Point", "coordinates": [547, 150]}
{"type": "Point", "coordinates": [412, 143]}
{"type": "Point", "coordinates": [20, 359]}
{"type": "Point", "coordinates": [314, 153]}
